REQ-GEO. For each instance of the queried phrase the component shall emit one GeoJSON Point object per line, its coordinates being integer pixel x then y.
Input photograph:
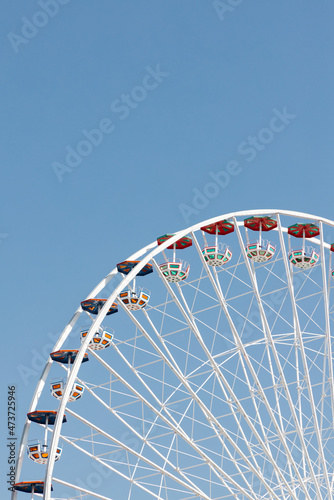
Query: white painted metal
{"type": "Point", "coordinates": [257, 440]}
{"type": "Point", "coordinates": [326, 305]}
{"type": "Point", "coordinates": [173, 365]}
{"type": "Point", "coordinates": [40, 385]}
{"type": "Point", "coordinates": [308, 381]}
{"type": "Point", "coordinates": [267, 331]}
{"type": "Point", "coordinates": [243, 356]}
{"type": "Point", "coordinates": [83, 490]}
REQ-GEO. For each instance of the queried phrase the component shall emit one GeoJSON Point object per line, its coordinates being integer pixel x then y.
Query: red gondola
{"type": "Point", "coordinates": [222, 228]}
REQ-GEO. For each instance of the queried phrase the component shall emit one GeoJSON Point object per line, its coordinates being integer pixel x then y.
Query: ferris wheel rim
{"type": "Point", "coordinates": [151, 251]}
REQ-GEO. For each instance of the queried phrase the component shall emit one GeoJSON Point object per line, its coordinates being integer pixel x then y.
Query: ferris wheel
{"type": "Point", "coordinates": [215, 381]}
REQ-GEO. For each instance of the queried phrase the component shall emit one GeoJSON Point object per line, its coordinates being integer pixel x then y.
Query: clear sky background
{"type": "Point", "coordinates": [185, 93]}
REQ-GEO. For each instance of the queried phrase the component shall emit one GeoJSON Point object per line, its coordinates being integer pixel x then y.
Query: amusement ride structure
{"type": "Point", "coordinates": [215, 384]}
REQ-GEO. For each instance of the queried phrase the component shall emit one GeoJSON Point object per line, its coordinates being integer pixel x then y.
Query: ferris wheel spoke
{"type": "Point", "coordinates": [79, 488]}
{"type": "Point", "coordinates": [150, 463]}
{"type": "Point", "coordinates": [224, 383]}
{"type": "Point", "coordinates": [306, 373]}
{"type": "Point", "coordinates": [324, 293]}
{"type": "Point", "coordinates": [244, 356]}
{"type": "Point", "coordinates": [143, 438]}
{"type": "Point", "coordinates": [328, 328]}
{"type": "Point", "coordinates": [267, 331]}
{"type": "Point", "coordinates": [310, 315]}
{"type": "Point", "coordinates": [108, 466]}
{"type": "Point", "coordinates": [213, 422]}
{"type": "Point", "coordinates": [175, 426]}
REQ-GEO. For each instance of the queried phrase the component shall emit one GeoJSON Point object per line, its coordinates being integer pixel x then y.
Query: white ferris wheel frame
{"type": "Point", "coordinates": [151, 251]}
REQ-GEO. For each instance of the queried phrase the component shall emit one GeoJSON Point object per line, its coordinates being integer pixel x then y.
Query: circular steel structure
{"type": "Point", "coordinates": [221, 387]}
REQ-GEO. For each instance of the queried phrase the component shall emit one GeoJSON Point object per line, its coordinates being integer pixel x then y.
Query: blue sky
{"type": "Point", "coordinates": [245, 96]}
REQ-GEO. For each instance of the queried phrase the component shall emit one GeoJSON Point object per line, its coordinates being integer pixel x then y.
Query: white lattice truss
{"type": "Point", "coordinates": [220, 388]}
